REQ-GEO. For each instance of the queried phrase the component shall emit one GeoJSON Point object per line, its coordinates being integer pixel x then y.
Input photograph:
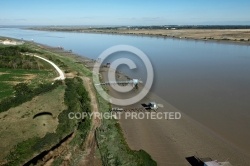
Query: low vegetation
{"type": "Point", "coordinates": [11, 77]}
{"type": "Point", "coordinates": [15, 57]}
{"type": "Point", "coordinates": [19, 124]}
{"type": "Point", "coordinates": [84, 29]}
{"type": "Point", "coordinates": [24, 93]}
{"type": "Point", "coordinates": [77, 100]}
{"type": "Point", "coordinates": [18, 65]}
{"type": "Point", "coordinates": [112, 145]}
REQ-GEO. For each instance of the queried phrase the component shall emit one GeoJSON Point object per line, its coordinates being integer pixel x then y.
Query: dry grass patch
{"type": "Point", "coordinates": [18, 123]}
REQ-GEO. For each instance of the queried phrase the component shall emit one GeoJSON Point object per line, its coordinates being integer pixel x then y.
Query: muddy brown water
{"type": "Point", "coordinates": [208, 81]}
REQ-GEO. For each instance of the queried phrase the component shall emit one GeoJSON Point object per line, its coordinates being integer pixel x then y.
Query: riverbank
{"type": "Point", "coordinates": [170, 141]}
{"type": "Point", "coordinates": [97, 147]}
{"type": "Point", "coordinates": [106, 139]}
{"type": "Point", "coordinates": [239, 36]}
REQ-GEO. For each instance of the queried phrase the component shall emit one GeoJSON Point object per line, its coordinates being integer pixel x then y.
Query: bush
{"type": "Point", "coordinates": [13, 57]}
{"type": "Point", "coordinates": [23, 94]}
{"type": "Point", "coordinates": [76, 98]}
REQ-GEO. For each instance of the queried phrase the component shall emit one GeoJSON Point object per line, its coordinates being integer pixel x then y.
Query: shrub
{"type": "Point", "coordinates": [76, 97]}
{"type": "Point", "coordinates": [23, 94]}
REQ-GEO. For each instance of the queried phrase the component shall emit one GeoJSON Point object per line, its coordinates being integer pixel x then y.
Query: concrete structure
{"type": "Point", "coordinates": [134, 82]}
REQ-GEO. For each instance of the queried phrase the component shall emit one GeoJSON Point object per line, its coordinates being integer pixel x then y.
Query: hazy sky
{"type": "Point", "coordinates": [124, 12]}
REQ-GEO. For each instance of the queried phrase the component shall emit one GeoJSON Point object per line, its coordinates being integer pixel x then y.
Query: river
{"type": "Point", "coordinates": [208, 81]}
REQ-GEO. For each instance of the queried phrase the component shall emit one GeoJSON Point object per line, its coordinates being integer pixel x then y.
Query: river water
{"type": "Point", "coordinates": [209, 81]}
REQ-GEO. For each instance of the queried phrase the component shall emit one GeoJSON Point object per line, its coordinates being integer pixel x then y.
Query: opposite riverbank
{"type": "Point", "coordinates": [239, 36]}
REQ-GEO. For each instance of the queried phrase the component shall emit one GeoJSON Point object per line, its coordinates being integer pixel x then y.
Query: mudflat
{"type": "Point", "coordinates": [170, 141]}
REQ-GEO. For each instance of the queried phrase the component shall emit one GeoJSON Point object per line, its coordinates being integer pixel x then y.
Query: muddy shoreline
{"type": "Point", "coordinates": [170, 141]}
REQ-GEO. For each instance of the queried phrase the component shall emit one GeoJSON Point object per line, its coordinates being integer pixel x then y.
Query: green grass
{"type": "Point", "coordinates": [19, 57]}
{"type": "Point", "coordinates": [10, 77]}
{"type": "Point", "coordinates": [77, 100]}
{"type": "Point", "coordinates": [68, 61]}
{"type": "Point", "coordinates": [112, 145]}
{"type": "Point", "coordinates": [58, 161]}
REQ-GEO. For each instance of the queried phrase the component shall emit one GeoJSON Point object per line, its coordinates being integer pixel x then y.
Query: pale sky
{"type": "Point", "coordinates": [124, 12]}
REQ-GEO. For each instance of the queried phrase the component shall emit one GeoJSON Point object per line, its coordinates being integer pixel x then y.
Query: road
{"type": "Point", "coordinates": [60, 72]}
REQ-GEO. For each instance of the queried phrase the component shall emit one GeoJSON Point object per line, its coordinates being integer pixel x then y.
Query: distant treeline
{"type": "Point", "coordinates": [13, 57]}
{"type": "Point", "coordinates": [79, 28]}
{"type": "Point", "coordinates": [181, 27]}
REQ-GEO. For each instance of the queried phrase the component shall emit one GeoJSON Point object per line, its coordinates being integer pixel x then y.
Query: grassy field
{"type": "Point", "coordinates": [18, 124]}
{"type": "Point", "coordinates": [28, 137]}
{"type": "Point", "coordinates": [112, 145]}
{"type": "Point", "coordinates": [24, 136]}
{"type": "Point", "coordinates": [18, 67]}
{"type": "Point", "coordinates": [68, 61]}
{"type": "Point", "coordinates": [11, 77]}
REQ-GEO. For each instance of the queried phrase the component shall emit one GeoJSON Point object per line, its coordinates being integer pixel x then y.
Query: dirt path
{"type": "Point", "coordinates": [90, 143]}
{"type": "Point", "coordinates": [61, 74]}
{"type": "Point", "coordinates": [63, 148]}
